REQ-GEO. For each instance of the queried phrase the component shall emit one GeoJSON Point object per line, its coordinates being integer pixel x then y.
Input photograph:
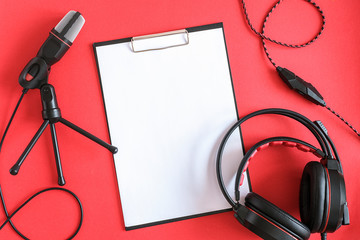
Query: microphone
{"type": "Point", "coordinates": [35, 74]}
{"type": "Point", "coordinates": [60, 39]}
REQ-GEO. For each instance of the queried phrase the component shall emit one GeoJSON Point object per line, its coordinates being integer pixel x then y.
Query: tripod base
{"type": "Point", "coordinates": [61, 181]}
{"type": "Point", "coordinates": [51, 115]}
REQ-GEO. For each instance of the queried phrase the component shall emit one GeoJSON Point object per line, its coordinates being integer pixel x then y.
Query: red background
{"type": "Point", "coordinates": [330, 64]}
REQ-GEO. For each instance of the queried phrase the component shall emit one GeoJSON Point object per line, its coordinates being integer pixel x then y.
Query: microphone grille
{"type": "Point", "coordinates": [70, 26]}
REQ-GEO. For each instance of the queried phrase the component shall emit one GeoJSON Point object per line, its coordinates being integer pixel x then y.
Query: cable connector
{"type": "Point", "coordinates": [304, 88]}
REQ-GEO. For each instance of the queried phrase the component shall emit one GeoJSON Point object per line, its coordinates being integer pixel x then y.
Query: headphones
{"type": "Point", "coordinates": [323, 206]}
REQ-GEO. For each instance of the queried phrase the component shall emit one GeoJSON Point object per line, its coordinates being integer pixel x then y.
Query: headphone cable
{"type": "Point", "coordinates": [293, 81]}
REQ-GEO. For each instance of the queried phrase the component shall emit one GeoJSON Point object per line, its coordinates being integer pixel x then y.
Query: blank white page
{"type": "Point", "coordinates": [167, 112]}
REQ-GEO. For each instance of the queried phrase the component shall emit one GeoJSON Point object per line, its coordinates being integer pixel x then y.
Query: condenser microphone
{"type": "Point", "coordinates": [61, 37]}
{"type": "Point", "coordinates": [35, 74]}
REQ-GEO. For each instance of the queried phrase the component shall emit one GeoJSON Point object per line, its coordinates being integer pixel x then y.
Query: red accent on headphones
{"type": "Point", "coordinates": [299, 146]}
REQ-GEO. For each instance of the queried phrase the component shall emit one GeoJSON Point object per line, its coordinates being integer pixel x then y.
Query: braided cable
{"type": "Point", "coordinates": [265, 37]}
{"type": "Point", "coordinates": [343, 120]}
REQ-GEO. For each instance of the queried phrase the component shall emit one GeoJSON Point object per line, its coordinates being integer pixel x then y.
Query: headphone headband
{"type": "Point", "coordinates": [317, 129]}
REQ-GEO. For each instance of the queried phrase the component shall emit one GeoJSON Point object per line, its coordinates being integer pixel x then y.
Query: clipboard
{"type": "Point", "coordinates": [169, 101]}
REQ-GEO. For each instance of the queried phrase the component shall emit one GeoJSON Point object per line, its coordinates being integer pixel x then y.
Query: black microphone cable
{"type": "Point", "coordinates": [9, 216]}
{"type": "Point", "coordinates": [24, 91]}
{"type": "Point", "coordinates": [306, 89]}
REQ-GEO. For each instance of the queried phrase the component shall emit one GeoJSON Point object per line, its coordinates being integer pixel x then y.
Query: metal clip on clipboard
{"type": "Point", "coordinates": [177, 38]}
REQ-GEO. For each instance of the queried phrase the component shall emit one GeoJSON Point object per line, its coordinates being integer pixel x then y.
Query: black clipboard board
{"type": "Point", "coordinates": [169, 100]}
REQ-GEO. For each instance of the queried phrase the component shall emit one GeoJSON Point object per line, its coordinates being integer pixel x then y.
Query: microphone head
{"type": "Point", "coordinates": [69, 27]}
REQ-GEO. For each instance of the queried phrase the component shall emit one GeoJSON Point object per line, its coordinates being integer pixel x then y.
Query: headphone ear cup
{"type": "Point", "coordinates": [276, 216]}
{"type": "Point", "coordinates": [313, 196]}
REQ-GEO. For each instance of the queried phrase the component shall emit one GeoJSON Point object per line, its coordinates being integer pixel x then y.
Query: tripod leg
{"type": "Point", "coordinates": [15, 169]}
{"type": "Point", "coordinates": [111, 148]}
{"type": "Point", "coordinates": [61, 180]}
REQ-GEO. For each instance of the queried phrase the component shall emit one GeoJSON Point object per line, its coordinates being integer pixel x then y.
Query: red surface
{"type": "Point", "coordinates": [331, 64]}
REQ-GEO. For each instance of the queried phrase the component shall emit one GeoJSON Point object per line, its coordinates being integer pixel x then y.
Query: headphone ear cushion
{"type": "Point", "coordinates": [313, 199]}
{"type": "Point", "coordinates": [277, 216]}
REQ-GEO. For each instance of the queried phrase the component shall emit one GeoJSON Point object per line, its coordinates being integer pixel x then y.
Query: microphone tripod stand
{"type": "Point", "coordinates": [51, 115]}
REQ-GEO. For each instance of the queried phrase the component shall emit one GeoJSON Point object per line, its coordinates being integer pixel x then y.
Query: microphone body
{"type": "Point", "coordinates": [53, 49]}
{"type": "Point", "coordinates": [35, 74]}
